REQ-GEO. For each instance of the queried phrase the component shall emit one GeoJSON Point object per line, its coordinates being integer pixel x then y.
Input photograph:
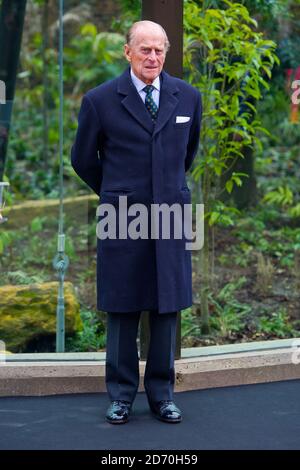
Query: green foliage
{"type": "Point", "coordinates": [229, 62]}
{"type": "Point", "coordinates": [282, 196]}
{"type": "Point", "coordinates": [131, 6]}
{"type": "Point", "coordinates": [131, 12]}
{"type": "Point", "coordinates": [21, 277]}
{"type": "Point", "coordinates": [229, 315]}
{"type": "Point", "coordinates": [5, 241]}
{"type": "Point", "coordinates": [91, 338]}
{"type": "Point", "coordinates": [240, 254]}
{"type": "Point", "coordinates": [90, 58]}
{"type": "Point", "coordinates": [273, 16]}
{"type": "Point", "coordinates": [268, 9]}
{"type": "Point", "coordinates": [222, 214]}
{"type": "Point", "coordinates": [188, 323]}
{"type": "Point", "coordinates": [288, 132]}
{"type": "Point", "coordinates": [280, 244]}
{"type": "Point", "coordinates": [276, 324]}
{"type": "Point", "coordinates": [295, 210]}
{"type": "Point", "coordinates": [37, 223]}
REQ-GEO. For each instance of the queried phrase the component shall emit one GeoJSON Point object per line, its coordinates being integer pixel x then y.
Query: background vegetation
{"type": "Point", "coordinates": [246, 285]}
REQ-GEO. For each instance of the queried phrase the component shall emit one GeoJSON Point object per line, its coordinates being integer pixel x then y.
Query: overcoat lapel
{"type": "Point", "coordinates": [133, 102]}
{"type": "Point", "coordinates": [135, 106]}
{"type": "Point", "coordinates": [167, 101]}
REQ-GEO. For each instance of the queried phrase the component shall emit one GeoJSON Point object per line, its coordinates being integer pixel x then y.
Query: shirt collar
{"type": "Point", "coordinates": [139, 84]}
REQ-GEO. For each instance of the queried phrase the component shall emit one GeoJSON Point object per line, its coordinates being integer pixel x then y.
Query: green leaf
{"type": "Point", "coordinates": [214, 216]}
{"type": "Point", "coordinates": [295, 211]}
{"type": "Point", "coordinates": [229, 185]}
{"type": "Point", "coordinates": [36, 224]}
{"type": "Point", "coordinates": [89, 29]}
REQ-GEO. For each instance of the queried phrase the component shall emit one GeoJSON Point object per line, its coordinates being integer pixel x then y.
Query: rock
{"type": "Point", "coordinates": [28, 314]}
{"type": "Point", "coordinates": [77, 210]}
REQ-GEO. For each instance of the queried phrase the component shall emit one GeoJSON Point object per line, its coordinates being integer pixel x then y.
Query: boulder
{"type": "Point", "coordinates": [28, 315]}
{"type": "Point", "coordinates": [79, 209]}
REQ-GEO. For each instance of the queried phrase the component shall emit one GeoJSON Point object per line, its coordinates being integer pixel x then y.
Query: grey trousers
{"type": "Point", "coordinates": [122, 359]}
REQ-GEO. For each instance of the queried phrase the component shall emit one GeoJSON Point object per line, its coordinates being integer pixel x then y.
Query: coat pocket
{"type": "Point", "coordinates": [117, 192]}
{"type": "Point", "coordinates": [181, 125]}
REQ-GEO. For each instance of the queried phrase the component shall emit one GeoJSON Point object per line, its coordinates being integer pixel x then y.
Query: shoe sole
{"type": "Point", "coordinates": [165, 420]}
{"type": "Point", "coordinates": [117, 422]}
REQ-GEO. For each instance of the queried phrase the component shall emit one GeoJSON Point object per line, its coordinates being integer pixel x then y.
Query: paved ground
{"type": "Point", "coordinates": [263, 416]}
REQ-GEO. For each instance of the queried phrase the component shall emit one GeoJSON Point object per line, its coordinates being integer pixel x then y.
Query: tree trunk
{"type": "Point", "coordinates": [11, 27]}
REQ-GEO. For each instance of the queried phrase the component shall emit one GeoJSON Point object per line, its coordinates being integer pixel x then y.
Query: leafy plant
{"type": "Point", "coordinates": [283, 197]}
{"type": "Point", "coordinates": [90, 58]}
{"type": "Point", "coordinates": [229, 315]}
{"type": "Point", "coordinates": [276, 324]}
{"type": "Point", "coordinates": [91, 338]}
{"type": "Point", "coordinates": [188, 325]}
{"type": "Point", "coordinates": [229, 62]}
{"type": "Point", "coordinates": [22, 277]}
{"type": "Point", "coordinates": [5, 241]}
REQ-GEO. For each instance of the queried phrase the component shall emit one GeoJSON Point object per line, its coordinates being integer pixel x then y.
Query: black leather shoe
{"type": "Point", "coordinates": [166, 410]}
{"type": "Point", "coordinates": [118, 412]}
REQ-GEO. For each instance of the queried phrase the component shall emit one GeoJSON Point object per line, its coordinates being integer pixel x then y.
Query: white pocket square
{"type": "Point", "coordinates": [182, 119]}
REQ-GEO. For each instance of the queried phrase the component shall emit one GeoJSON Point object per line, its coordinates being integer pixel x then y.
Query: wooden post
{"type": "Point", "coordinates": [12, 13]}
{"type": "Point", "coordinates": [169, 14]}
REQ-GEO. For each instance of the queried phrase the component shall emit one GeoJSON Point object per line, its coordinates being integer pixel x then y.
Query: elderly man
{"type": "Point", "coordinates": [137, 136]}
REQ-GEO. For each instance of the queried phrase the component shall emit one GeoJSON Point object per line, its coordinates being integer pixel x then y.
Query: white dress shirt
{"type": "Point", "coordinates": [139, 85]}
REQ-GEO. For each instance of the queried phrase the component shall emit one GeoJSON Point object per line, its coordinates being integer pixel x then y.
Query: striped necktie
{"type": "Point", "coordinates": [150, 103]}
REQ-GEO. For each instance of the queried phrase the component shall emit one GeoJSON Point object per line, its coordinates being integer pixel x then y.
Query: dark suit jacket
{"type": "Point", "coordinates": [119, 151]}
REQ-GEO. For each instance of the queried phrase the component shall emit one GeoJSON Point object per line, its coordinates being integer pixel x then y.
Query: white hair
{"type": "Point", "coordinates": [140, 24]}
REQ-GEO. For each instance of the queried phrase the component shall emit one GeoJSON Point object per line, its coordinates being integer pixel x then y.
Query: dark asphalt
{"type": "Point", "coordinates": [262, 416]}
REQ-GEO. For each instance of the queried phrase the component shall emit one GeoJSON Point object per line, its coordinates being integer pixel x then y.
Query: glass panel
{"type": "Point", "coordinates": [247, 284]}
{"type": "Point", "coordinates": [93, 53]}
{"type": "Point", "coordinates": [254, 263]}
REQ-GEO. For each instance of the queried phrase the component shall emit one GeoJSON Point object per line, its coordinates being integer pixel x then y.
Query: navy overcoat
{"type": "Point", "coordinates": [119, 151]}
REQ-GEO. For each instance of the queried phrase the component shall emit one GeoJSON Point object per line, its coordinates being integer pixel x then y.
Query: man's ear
{"type": "Point", "coordinates": [127, 52]}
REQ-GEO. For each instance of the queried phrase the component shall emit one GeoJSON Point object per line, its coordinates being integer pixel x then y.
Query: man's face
{"type": "Point", "coordinates": [146, 54]}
